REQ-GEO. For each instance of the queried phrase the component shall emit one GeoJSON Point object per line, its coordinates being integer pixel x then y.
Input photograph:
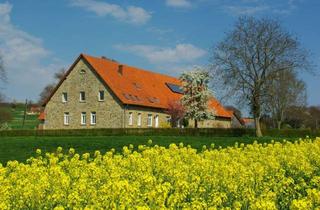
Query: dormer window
{"type": "Point", "coordinates": [82, 96]}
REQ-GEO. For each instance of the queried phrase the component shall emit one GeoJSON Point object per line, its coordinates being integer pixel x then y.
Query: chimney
{"type": "Point", "coordinates": [109, 59]}
{"type": "Point", "coordinates": [120, 69]}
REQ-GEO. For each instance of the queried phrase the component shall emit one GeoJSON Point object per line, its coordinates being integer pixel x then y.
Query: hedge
{"type": "Point", "coordinates": [233, 132]}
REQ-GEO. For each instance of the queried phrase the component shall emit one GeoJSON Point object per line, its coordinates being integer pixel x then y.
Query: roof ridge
{"type": "Point", "coordinates": [130, 66]}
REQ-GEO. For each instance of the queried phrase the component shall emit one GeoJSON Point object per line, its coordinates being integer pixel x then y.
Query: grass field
{"type": "Point", "coordinates": [17, 113]}
{"type": "Point", "coordinates": [21, 148]}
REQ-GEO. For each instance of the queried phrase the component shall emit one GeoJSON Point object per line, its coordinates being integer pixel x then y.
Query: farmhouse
{"type": "Point", "coordinates": [102, 93]}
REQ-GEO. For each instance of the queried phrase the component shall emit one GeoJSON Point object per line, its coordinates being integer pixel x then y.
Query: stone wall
{"type": "Point", "coordinates": [218, 122]}
{"type": "Point", "coordinates": [144, 111]}
{"type": "Point", "coordinates": [109, 112]}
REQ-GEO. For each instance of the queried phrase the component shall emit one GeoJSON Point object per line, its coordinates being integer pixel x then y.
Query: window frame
{"type": "Point", "coordinates": [93, 118]}
{"type": "Point", "coordinates": [64, 97]}
{"type": "Point", "coordinates": [130, 119]}
{"type": "Point", "coordinates": [99, 95]}
{"type": "Point", "coordinates": [139, 120]}
{"type": "Point", "coordinates": [156, 121]}
{"type": "Point", "coordinates": [83, 119]}
{"type": "Point", "coordinates": [66, 118]}
{"type": "Point", "coordinates": [84, 96]}
{"type": "Point", "coordinates": [149, 119]}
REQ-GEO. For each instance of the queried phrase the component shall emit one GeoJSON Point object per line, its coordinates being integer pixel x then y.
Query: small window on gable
{"type": "Point", "coordinates": [64, 97]}
{"type": "Point", "coordinates": [82, 71]}
{"type": "Point", "coordinates": [82, 96]}
{"type": "Point", "coordinates": [101, 95]}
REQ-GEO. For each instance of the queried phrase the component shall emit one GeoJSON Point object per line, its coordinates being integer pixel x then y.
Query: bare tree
{"type": "Point", "coordinates": [60, 74]}
{"type": "Point", "coordinates": [45, 93]}
{"type": "Point", "coordinates": [313, 121]}
{"type": "Point", "coordinates": [47, 90]}
{"type": "Point", "coordinates": [285, 91]}
{"type": "Point", "coordinates": [250, 57]}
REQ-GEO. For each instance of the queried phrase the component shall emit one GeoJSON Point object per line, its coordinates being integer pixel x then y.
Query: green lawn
{"type": "Point", "coordinates": [21, 148]}
{"type": "Point", "coordinates": [31, 121]}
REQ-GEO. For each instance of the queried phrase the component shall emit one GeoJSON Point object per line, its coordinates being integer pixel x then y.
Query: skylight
{"type": "Point", "coordinates": [175, 88]}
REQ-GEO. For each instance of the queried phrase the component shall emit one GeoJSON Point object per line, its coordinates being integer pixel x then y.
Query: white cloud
{"type": "Point", "coordinates": [130, 14]}
{"type": "Point", "coordinates": [252, 7]}
{"type": "Point", "coordinates": [246, 10]}
{"type": "Point", "coordinates": [179, 3]}
{"type": "Point", "coordinates": [157, 55]}
{"type": "Point", "coordinates": [22, 55]}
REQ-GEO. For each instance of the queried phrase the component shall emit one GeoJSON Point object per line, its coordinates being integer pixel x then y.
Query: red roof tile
{"type": "Point", "coordinates": [135, 86]}
{"type": "Point", "coordinates": [220, 111]}
{"type": "Point", "coordinates": [41, 116]}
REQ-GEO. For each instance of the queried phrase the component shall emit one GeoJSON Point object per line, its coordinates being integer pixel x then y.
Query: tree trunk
{"type": "Point", "coordinates": [279, 125]}
{"type": "Point", "coordinates": [196, 123]}
{"type": "Point", "coordinates": [256, 110]}
{"type": "Point", "coordinates": [258, 127]}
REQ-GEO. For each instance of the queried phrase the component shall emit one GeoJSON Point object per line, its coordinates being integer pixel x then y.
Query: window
{"type": "Point", "coordinates": [156, 121]}
{"type": "Point", "coordinates": [64, 97]}
{"type": "Point", "coordinates": [130, 118]}
{"type": "Point", "coordinates": [66, 118]}
{"type": "Point", "coordinates": [175, 88]}
{"type": "Point", "coordinates": [82, 96]}
{"type": "Point", "coordinates": [101, 95]}
{"type": "Point", "coordinates": [139, 119]}
{"type": "Point", "coordinates": [149, 123]}
{"type": "Point", "coordinates": [83, 118]}
{"type": "Point", "coordinates": [93, 118]}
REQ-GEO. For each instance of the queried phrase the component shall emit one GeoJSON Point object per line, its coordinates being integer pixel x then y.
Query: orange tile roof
{"type": "Point", "coordinates": [135, 86]}
{"type": "Point", "coordinates": [220, 111]}
{"type": "Point", "coordinates": [41, 116]}
{"type": "Point", "coordinates": [247, 120]}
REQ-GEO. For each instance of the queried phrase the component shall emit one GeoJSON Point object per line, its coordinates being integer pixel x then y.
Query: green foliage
{"type": "Point", "coordinates": [5, 115]}
{"type": "Point", "coordinates": [212, 132]}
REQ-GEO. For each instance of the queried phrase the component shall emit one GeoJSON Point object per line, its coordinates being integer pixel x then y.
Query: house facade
{"type": "Point", "coordinates": [102, 93]}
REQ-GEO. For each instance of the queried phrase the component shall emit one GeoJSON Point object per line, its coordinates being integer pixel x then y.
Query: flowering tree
{"type": "Point", "coordinates": [196, 95]}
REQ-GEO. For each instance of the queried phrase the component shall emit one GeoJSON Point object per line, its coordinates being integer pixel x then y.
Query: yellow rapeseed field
{"type": "Point", "coordinates": [259, 176]}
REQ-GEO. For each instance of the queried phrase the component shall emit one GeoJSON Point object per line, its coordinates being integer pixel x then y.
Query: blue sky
{"type": "Point", "coordinates": [38, 37]}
